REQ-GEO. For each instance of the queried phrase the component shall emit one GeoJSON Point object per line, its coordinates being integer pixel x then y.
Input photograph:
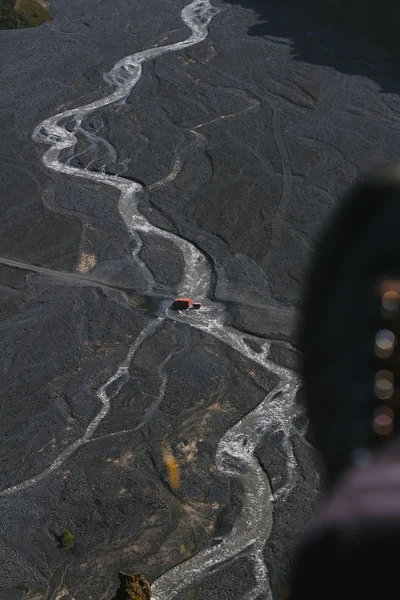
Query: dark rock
{"type": "Point", "coordinates": [132, 587]}
{"type": "Point", "coordinates": [286, 355]}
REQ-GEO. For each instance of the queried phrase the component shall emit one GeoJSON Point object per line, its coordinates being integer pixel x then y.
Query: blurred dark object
{"type": "Point", "coordinates": [351, 550]}
{"type": "Point", "coordinates": [341, 314]}
{"type": "Point", "coordinates": [349, 329]}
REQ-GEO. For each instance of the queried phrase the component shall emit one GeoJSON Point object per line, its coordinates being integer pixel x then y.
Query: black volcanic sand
{"type": "Point", "coordinates": [259, 131]}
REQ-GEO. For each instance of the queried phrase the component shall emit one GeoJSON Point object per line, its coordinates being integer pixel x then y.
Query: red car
{"type": "Point", "coordinates": [185, 304]}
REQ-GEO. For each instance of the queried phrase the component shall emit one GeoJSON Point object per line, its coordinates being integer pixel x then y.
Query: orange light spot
{"type": "Point", "coordinates": [172, 467]}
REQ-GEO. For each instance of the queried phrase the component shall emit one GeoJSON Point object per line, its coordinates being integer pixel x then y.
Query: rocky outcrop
{"type": "Point", "coordinates": [9, 17]}
{"type": "Point", "coordinates": [16, 14]}
{"type": "Point", "coordinates": [132, 587]}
